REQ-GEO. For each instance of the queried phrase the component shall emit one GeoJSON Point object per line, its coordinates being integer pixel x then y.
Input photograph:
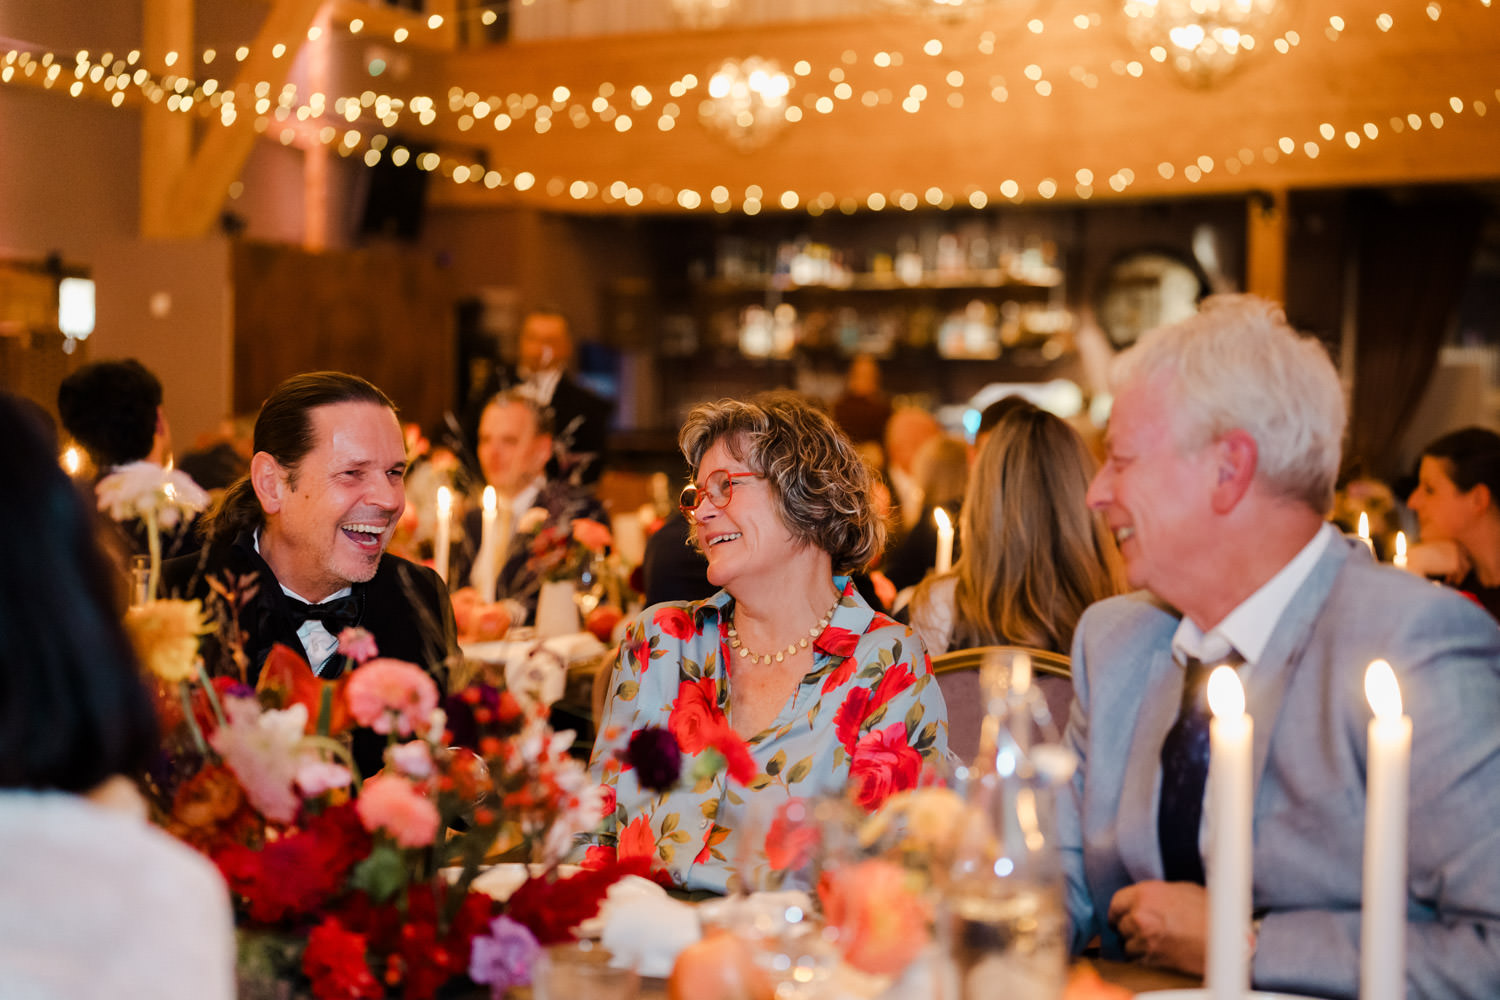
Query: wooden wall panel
{"type": "Point", "coordinates": [383, 313]}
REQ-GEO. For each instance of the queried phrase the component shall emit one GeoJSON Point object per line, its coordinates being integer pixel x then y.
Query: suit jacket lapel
{"type": "Point", "coordinates": [1161, 693]}
{"type": "Point", "coordinates": [1268, 680]}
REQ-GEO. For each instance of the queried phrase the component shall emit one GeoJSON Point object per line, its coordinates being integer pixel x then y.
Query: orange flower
{"type": "Point", "coordinates": [882, 924]}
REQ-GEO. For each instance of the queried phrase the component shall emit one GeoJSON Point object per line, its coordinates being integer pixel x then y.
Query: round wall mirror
{"type": "Point", "coordinates": [1145, 289]}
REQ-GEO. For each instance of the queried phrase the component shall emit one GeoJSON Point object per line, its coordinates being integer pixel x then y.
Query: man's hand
{"type": "Point", "coordinates": [1442, 559]}
{"type": "Point", "coordinates": [1163, 924]}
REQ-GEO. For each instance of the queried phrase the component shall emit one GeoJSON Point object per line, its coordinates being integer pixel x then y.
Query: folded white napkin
{"type": "Point", "coordinates": [643, 928]}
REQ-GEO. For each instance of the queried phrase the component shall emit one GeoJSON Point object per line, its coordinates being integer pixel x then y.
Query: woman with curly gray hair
{"type": "Point", "coordinates": [785, 684]}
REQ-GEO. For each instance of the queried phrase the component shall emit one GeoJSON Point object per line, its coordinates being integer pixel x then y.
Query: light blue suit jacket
{"type": "Point", "coordinates": [1306, 696]}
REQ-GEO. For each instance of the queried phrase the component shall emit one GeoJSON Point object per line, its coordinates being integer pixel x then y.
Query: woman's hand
{"type": "Point", "coordinates": [1443, 559]}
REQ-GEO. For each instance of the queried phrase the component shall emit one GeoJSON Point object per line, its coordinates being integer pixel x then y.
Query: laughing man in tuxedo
{"type": "Point", "coordinates": [1222, 451]}
{"type": "Point", "coordinates": [307, 528]}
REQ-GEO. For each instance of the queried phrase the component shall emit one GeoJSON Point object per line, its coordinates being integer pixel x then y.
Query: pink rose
{"type": "Point", "coordinates": [357, 644]}
{"type": "Point", "coordinates": [391, 695]}
{"type": "Point", "coordinates": [592, 535]}
{"type": "Point", "coordinates": [883, 763]}
{"type": "Point", "coordinates": [882, 924]}
{"type": "Point", "coordinates": [392, 805]}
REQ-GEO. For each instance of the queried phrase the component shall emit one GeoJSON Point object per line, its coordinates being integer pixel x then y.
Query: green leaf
{"type": "Point", "coordinates": [669, 824]}
{"type": "Point", "coordinates": [801, 770]}
{"type": "Point", "coordinates": [927, 738]}
{"type": "Point", "coordinates": [627, 690]}
{"type": "Point", "coordinates": [759, 781]}
{"type": "Point", "coordinates": [381, 874]}
{"type": "Point", "coordinates": [710, 809]}
{"type": "Point", "coordinates": [914, 717]}
{"type": "Point", "coordinates": [776, 763]}
{"type": "Point", "coordinates": [678, 837]}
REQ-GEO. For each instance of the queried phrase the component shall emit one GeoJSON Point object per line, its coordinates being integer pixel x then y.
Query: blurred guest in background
{"type": "Point", "coordinates": [515, 442]}
{"type": "Point", "coordinates": [674, 569]}
{"type": "Point", "coordinates": [1034, 554]}
{"type": "Point", "coordinates": [821, 694]}
{"type": "Point", "coordinates": [1223, 448]}
{"type": "Point", "coordinates": [579, 417]}
{"type": "Point", "coordinates": [908, 429]}
{"type": "Point", "coordinates": [218, 459]}
{"type": "Point", "coordinates": [1457, 503]}
{"type": "Point", "coordinates": [113, 410]}
{"type": "Point", "coordinates": [96, 898]}
{"type": "Point", "coordinates": [941, 471]}
{"type": "Point", "coordinates": [863, 410]}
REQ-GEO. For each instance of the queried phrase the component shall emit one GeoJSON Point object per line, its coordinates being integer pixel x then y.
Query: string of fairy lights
{"type": "Point", "coordinates": [346, 123]}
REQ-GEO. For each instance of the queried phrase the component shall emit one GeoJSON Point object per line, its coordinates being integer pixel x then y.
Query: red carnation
{"type": "Point", "coordinates": [335, 963]}
{"type": "Point", "coordinates": [553, 909]}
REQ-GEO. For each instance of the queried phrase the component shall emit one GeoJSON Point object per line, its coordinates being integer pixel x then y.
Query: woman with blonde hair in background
{"type": "Point", "coordinates": [1034, 555]}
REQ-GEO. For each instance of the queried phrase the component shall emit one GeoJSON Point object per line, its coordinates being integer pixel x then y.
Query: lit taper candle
{"type": "Point", "coordinates": [441, 544]}
{"type": "Point", "coordinates": [1382, 944]}
{"type": "Point", "coordinates": [1231, 736]}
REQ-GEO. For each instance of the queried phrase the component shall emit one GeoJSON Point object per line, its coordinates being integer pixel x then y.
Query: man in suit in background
{"type": "Point", "coordinates": [579, 418]}
{"type": "Point", "coordinates": [514, 445]}
{"type": "Point", "coordinates": [1223, 447]}
{"type": "Point", "coordinates": [306, 531]}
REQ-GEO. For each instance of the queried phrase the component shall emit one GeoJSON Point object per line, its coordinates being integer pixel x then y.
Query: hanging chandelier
{"type": "Point", "coordinates": [746, 101]}
{"type": "Point", "coordinates": [1202, 40]}
{"type": "Point", "coordinates": [701, 14]}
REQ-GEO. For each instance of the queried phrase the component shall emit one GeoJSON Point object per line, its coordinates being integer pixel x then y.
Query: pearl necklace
{"type": "Point", "coordinates": [780, 655]}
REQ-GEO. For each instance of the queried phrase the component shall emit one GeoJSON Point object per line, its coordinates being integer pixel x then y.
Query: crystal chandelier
{"type": "Point", "coordinates": [1202, 40]}
{"type": "Point", "coordinates": [746, 101]}
{"type": "Point", "coordinates": [698, 14]}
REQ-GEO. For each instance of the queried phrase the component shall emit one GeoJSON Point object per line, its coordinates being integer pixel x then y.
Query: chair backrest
{"type": "Point", "coordinates": [957, 674]}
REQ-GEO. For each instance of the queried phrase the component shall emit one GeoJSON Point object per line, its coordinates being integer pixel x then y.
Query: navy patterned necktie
{"type": "Point", "coordinates": [1184, 773]}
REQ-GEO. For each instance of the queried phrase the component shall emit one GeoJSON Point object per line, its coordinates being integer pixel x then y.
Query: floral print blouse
{"type": "Point", "coordinates": [867, 718]}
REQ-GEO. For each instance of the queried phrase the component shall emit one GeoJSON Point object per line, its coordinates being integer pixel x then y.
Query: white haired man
{"type": "Point", "coordinates": [1222, 452]}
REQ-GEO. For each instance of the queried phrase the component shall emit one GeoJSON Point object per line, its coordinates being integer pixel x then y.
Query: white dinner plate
{"type": "Point", "coordinates": [1202, 994]}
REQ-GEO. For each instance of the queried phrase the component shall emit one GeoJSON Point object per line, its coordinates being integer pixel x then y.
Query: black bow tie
{"type": "Point", "coordinates": [336, 615]}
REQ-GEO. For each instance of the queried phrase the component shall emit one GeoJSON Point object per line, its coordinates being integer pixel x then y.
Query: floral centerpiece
{"type": "Point", "coordinates": [362, 886]}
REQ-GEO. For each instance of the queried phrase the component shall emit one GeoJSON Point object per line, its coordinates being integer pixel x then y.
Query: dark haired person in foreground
{"type": "Point", "coordinates": [95, 899]}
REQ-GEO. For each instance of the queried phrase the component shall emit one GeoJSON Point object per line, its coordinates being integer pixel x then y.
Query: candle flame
{"type": "Point", "coordinates": [1226, 697]}
{"type": "Point", "coordinates": [444, 501]}
{"type": "Point", "coordinates": [1400, 548]}
{"type": "Point", "coordinates": [940, 516]}
{"type": "Point", "coordinates": [72, 461]}
{"type": "Point", "coordinates": [489, 500]}
{"type": "Point", "coordinates": [1364, 526]}
{"type": "Point", "coordinates": [1382, 691]}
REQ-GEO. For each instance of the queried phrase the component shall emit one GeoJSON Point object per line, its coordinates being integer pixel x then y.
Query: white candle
{"type": "Point", "coordinates": [1231, 737]}
{"type": "Point", "coordinates": [944, 541]}
{"type": "Point", "coordinates": [485, 570]}
{"type": "Point", "coordinates": [1382, 945]}
{"type": "Point", "coordinates": [1400, 559]}
{"type": "Point", "coordinates": [1364, 531]}
{"type": "Point", "coordinates": [441, 545]}
{"type": "Point", "coordinates": [72, 460]}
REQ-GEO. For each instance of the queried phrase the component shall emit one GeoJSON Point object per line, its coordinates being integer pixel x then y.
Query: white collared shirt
{"type": "Point", "coordinates": [541, 386]}
{"type": "Point", "coordinates": [1248, 628]}
{"type": "Point", "coordinates": [321, 644]}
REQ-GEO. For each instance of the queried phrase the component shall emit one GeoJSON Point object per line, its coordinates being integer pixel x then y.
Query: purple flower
{"type": "Point", "coordinates": [504, 957]}
{"type": "Point", "coordinates": [656, 757]}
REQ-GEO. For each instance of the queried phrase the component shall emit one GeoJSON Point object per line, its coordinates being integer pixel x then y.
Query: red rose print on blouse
{"type": "Point", "coordinates": [637, 840]}
{"type": "Point", "coordinates": [740, 765]}
{"type": "Point", "coordinates": [675, 622]}
{"type": "Point", "coordinates": [695, 714]}
{"type": "Point", "coordinates": [897, 679]}
{"type": "Point", "coordinates": [839, 675]}
{"type": "Point", "coordinates": [883, 763]}
{"type": "Point", "coordinates": [837, 641]}
{"type": "Point", "coordinates": [851, 715]}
